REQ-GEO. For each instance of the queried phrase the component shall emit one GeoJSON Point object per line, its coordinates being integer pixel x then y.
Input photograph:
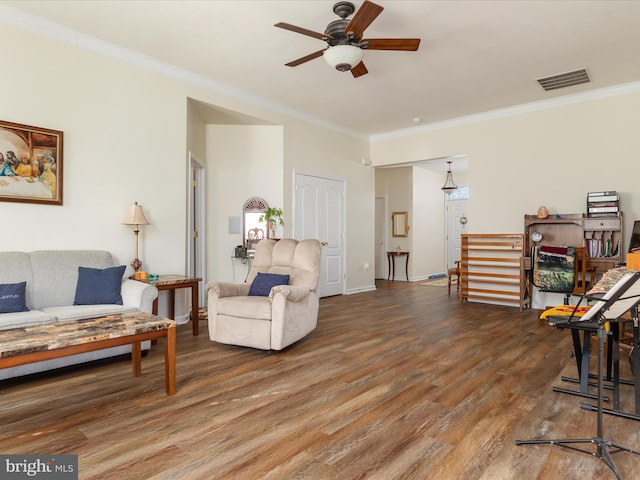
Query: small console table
{"type": "Point", "coordinates": [244, 260]}
{"type": "Point", "coordinates": [391, 258]}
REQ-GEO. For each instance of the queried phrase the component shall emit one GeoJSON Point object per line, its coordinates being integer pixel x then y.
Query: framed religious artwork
{"type": "Point", "coordinates": [30, 164]}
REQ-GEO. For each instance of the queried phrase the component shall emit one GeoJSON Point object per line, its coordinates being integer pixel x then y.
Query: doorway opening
{"type": "Point", "coordinates": [455, 225]}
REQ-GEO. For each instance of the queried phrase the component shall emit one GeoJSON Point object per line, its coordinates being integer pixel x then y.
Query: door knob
{"type": "Point", "coordinates": [324, 244]}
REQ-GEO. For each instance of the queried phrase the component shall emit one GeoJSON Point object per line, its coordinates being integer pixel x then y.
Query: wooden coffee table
{"type": "Point", "coordinates": [19, 346]}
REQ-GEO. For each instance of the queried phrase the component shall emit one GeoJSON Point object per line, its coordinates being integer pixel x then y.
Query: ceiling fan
{"type": "Point", "coordinates": [344, 38]}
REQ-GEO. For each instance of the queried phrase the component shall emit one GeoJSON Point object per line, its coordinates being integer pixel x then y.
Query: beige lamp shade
{"type": "Point", "coordinates": [135, 216]}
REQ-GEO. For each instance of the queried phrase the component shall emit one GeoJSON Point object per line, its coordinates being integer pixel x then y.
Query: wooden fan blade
{"type": "Point", "coordinates": [303, 31]}
{"type": "Point", "coordinates": [409, 44]}
{"type": "Point", "coordinates": [366, 14]}
{"type": "Point", "coordinates": [306, 58]}
{"type": "Point", "coordinates": [359, 70]}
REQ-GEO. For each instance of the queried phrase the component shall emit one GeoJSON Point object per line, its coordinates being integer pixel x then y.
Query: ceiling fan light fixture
{"type": "Point", "coordinates": [343, 57]}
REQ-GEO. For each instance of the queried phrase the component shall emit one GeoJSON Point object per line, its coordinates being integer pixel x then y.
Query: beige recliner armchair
{"type": "Point", "coordinates": [256, 314]}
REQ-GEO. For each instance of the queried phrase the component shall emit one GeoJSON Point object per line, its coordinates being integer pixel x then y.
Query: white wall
{"type": "Point", "coordinates": [127, 131]}
{"type": "Point", "coordinates": [243, 161]}
{"type": "Point", "coordinates": [396, 184]}
{"type": "Point", "coordinates": [549, 157]}
{"type": "Point", "coordinates": [313, 150]}
{"type": "Point", "coordinates": [428, 238]}
{"type": "Point", "coordinates": [124, 141]}
{"type": "Point", "coordinates": [196, 131]}
{"type": "Point", "coordinates": [417, 191]}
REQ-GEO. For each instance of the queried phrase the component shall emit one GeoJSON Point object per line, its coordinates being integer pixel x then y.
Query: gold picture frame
{"type": "Point", "coordinates": [399, 224]}
{"type": "Point", "coordinates": [30, 164]}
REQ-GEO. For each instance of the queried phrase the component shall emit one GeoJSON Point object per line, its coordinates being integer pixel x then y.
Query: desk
{"type": "Point", "coordinates": [391, 259]}
{"type": "Point", "coordinates": [172, 283]}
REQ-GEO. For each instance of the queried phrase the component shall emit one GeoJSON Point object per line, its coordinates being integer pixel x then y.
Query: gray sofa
{"type": "Point", "coordinates": [51, 277]}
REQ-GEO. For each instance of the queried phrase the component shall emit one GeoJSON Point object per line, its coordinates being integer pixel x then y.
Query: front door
{"type": "Point", "coordinates": [319, 213]}
{"type": "Point", "coordinates": [456, 226]}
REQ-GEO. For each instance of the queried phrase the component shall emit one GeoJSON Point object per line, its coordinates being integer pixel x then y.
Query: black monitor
{"type": "Point", "coordinates": [634, 243]}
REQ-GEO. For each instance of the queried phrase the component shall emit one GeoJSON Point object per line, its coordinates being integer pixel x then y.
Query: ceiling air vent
{"type": "Point", "coordinates": [565, 79]}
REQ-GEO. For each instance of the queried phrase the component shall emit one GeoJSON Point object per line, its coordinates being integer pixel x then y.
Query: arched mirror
{"type": "Point", "coordinates": [252, 229]}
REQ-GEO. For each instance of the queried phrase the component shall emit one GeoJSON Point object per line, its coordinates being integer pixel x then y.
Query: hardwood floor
{"type": "Point", "coordinates": [401, 383]}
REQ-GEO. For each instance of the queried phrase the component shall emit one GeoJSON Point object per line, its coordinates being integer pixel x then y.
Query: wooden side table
{"type": "Point", "coordinates": [173, 283]}
{"type": "Point", "coordinates": [391, 258]}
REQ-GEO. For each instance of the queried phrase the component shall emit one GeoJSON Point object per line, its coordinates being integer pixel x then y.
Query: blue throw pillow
{"type": "Point", "coordinates": [261, 285]}
{"type": "Point", "coordinates": [12, 297]}
{"type": "Point", "coordinates": [96, 286]}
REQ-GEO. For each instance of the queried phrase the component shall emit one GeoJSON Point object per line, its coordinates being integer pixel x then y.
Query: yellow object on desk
{"type": "Point", "coordinates": [633, 260]}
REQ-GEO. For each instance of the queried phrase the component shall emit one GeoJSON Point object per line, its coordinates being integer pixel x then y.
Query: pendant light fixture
{"type": "Point", "coordinates": [449, 186]}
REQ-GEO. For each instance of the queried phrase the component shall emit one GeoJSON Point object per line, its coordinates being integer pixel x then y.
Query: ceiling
{"type": "Point", "coordinates": [474, 56]}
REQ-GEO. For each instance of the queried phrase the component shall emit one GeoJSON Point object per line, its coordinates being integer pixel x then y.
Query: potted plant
{"type": "Point", "coordinates": [273, 218]}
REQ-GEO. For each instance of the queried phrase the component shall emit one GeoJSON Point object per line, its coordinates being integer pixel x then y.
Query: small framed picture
{"type": "Point", "coordinates": [30, 164]}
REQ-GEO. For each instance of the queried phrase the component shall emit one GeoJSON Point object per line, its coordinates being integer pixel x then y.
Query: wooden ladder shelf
{"type": "Point", "coordinates": [490, 269]}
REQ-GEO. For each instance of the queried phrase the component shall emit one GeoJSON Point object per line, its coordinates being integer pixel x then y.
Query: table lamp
{"type": "Point", "coordinates": [136, 218]}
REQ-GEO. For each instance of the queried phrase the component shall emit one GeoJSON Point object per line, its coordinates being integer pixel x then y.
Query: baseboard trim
{"type": "Point", "coordinates": [352, 291]}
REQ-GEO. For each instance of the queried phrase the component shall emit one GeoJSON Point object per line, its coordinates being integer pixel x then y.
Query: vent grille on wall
{"type": "Point", "coordinates": [565, 79]}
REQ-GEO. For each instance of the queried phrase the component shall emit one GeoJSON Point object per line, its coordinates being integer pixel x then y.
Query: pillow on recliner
{"type": "Point", "coordinates": [262, 284]}
{"type": "Point", "coordinates": [12, 297]}
{"type": "Point", "coordinates": [99, 287]}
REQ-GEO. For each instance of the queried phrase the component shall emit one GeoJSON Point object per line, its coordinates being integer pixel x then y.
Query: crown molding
{"type": "Point", "coordinates": [37, 25]}
{"type": "Point", "coordinates": [616, 90]}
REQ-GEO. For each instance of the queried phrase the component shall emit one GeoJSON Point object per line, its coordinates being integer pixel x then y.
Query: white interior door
{"type": "Point", "coordinates": [456, 226]}
{"type": "Point", "coordinates": [196, 229]}
{"type": "Point", "coordinates": [319, 213]}
{"type": "Point", "coordinates": [381, 234]}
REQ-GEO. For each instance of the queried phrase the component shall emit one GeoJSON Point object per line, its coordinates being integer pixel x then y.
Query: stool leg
{"type": "Point", "coordinates": [449, 285]}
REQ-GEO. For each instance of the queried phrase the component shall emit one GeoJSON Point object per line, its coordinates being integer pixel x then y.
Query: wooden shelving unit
{"type": "Point", "coordinates": [606, 233]}
{"type": "Point", "coordinates": [490, 269]}
{"type": "Point", "coordinates": [559, 230]}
